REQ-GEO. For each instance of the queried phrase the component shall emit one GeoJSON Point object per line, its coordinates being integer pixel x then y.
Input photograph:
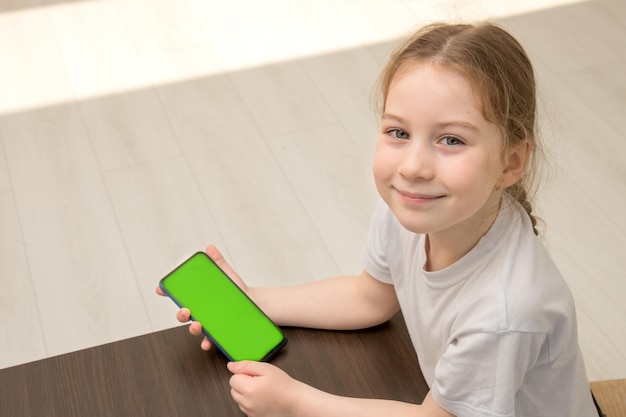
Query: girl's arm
{"type": "Point", "coordinates": [339, 303]}
{"type": "Point", "coordinates": [262, 390]}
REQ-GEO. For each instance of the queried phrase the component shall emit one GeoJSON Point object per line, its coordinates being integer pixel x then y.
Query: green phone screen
{"type": "Point", "coordinates": [228, 317]}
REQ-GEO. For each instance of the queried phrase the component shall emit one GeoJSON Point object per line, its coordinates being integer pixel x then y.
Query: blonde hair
{"type": "Point", "coordinates": [497, 66]}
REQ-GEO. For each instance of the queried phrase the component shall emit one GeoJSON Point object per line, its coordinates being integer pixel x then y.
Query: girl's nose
{"type": "Point", "coordinates": [416, 163]}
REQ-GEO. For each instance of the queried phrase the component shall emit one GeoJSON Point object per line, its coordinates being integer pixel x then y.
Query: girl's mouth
{"type": "Point", "coordinates": [418, 198]}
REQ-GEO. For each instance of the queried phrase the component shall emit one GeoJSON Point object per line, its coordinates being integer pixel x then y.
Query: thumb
{"type": "Point", "coordinates": [250, 368]}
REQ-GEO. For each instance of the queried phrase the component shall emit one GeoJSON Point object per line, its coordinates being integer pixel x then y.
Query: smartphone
{"type": "Point", "coordinates": [230, 319]}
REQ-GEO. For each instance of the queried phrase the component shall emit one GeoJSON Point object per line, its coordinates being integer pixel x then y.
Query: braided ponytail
{"type": "Point", "coordinates": [518, 192]}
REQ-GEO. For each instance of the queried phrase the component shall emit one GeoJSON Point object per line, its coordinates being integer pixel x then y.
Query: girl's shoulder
{"type": "Point", "coordinates": [527, 292]}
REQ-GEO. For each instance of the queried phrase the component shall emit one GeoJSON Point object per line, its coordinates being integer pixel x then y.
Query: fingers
{"type": "Point", "coordinates": [214, 253]}
{"type": "Point", "coordinates": [183, 315]}
{"type": "Point", "coordinates": [206, 344]}
{"type": "Point", "coordinates": [219, 259]}
{"type": "Point", "coordinates": [261, 389]}
{"type": "Point", "coordinates": [243, 373]}
{"type": "Point", "coordinates": [195, 329]}
{"type": "Point", "coordinates": [159, 291]}
{"type": "Point", "coordinates": [250, 368]}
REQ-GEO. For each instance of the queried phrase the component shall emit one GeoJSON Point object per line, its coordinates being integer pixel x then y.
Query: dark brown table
{"type": "Point", "coordinates": [167, 374]}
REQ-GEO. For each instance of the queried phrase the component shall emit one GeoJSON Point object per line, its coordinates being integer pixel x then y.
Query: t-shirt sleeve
{"type": "Point", "coordinates": [374, 259]}
{"type": "Point", "coordinates": [479, 374]}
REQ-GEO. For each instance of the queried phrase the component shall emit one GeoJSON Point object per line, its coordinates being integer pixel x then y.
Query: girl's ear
{"type": "Point", "coordinates": [515, 164]}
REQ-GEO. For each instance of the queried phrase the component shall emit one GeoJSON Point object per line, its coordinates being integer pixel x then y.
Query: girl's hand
{"type": "Point", "coordinates": [261, 389]}
{"type": "Point", "coordinates": [183, 314]}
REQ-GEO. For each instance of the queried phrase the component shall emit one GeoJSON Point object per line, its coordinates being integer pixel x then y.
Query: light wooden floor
{"type": "Point", "coordinates": [133, 132]}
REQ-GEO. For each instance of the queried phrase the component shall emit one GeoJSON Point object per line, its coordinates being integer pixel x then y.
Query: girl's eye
{"type": "Point", "coordinates": [451, 141]}
{"type": "Point", "coordinates": [398, 134]}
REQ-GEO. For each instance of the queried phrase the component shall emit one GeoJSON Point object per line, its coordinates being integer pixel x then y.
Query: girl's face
{"type": "Point", "coordinates": [438, 160]}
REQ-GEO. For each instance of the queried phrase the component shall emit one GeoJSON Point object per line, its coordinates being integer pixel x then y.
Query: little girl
{"type": "Point", "coordinates": [452, 243]}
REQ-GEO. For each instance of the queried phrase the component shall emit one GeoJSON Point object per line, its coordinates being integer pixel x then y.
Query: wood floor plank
{"type": "Point", "coordinates": [27, 43]}
{"type": "Point", "coordinates": [128, 129]}
{"type": "Point", "coordinates": [21, 337]}
{"type": "Point", "coordinates": [281, 99]}
{"type": "Point", "coordinates": [603, 358]}
{"type": "Point", "coordinates": [581, 141]}
{"type": "Point", "coordinates": [345, 79]}
{"type": "Point", "coordinates": [602, 22]}
{"type": "Point", "coordinates": [77, 259]}
{"type": "Point", "coordinates": [256, 46]}
{"type": "Point", "coordinates": [334, 184]}
{"type": "Point", "coordinates": [165, 64]}
{"type": "Point", "coordinates": [603, 89]}
{"type": "Point", "coordinates": [374, 20]}
{"type": "Point", "coordinates": [5, 181]}
{"type": "Point", "coordinates": [298, 24]}
{"type": "Point", "coordinates": [97, 51]}
{"type": "Point", "coordinates": [362, 125]}
{"type": "Point", "coordinates": [567, 42]}
{"type": "Point", "coordinates": [161, 22]}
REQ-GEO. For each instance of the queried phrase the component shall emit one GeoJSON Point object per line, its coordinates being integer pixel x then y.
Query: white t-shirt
{"type": "Point", "coordinates": [495, 333]}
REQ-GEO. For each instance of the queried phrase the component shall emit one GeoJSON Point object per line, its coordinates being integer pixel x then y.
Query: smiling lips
{"type": "Point", "coordinates": [418, 198]}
